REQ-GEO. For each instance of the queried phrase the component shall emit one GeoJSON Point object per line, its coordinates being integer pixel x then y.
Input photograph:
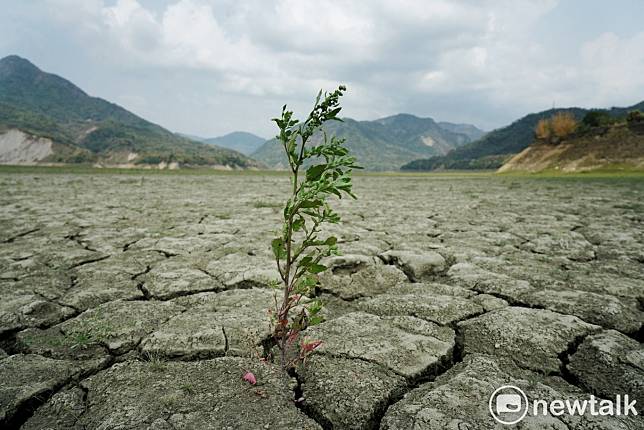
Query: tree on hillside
{"type": "Point", "coordinates": [556, 127]}
{"type": "Point", "coordinates": [542, 130]}
{"type": "Point", "coordinates": [597, 118]}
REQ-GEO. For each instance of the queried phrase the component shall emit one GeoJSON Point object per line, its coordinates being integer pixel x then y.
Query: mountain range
{"type": "Point", "coordinates": [46, 118]}
{"type": "Point", "coordinates": [240, 141]}
{"type": "Point", "coordinates": [386, 143]}
{"type": "Point", "coordinates": [496, 147]}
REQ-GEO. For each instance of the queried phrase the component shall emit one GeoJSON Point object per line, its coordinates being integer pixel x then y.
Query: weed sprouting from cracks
{"type": "Point", "coordinates": [299, 249]}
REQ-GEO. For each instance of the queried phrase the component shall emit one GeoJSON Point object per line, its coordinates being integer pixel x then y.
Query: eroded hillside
{"type": "Point", "coordinates": [616, 147]}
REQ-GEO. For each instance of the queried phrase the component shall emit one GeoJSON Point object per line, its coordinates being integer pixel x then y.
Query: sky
{"type": "Point", "coordinates": [209, 67]}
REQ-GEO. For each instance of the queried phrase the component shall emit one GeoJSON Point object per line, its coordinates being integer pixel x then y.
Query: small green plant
{"type": "Point", "coordinates": [187, 388]}
{"type": "Point", "coordinates": [299, 248]}
{"type": "Point", "coordinates": [92, 330]}
{"type": "Point", "coordinates": [157, 364]}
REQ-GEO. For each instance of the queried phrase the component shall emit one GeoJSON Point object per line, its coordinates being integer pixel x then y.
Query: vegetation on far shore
{"type": "Point", "coordinates": [606, 171]}
{"type": "Point", "coordinates": [498, 146]}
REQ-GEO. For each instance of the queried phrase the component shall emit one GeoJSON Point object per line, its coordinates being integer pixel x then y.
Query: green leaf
{"type": "Point", "coordinates": [317, 268]}
{"type": "Point", "coordinates": [309, 281]}
{"type": "Point", "coordinates": [314, 307]}
{"type": "Point", "coordinates": [313, 173]}
{"type": "Point", "coordinates": [332, 240]}
{"type": "Point", "coordinates": [307, 204]}
{"type": "Point", "coordinates": [318, 319]}
{"type": "Point", "coordinates": [306, 261]}
{"type": "Point", "coordinates": [278, 248]}
{"type": "Point", "coordinates": [298, 224]}
{"type": "Point", "coordinates": [334, 112]}
{"type": "Point", "coordinates": [287, 209]}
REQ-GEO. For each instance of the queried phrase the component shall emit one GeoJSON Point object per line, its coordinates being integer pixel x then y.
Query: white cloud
{"type": "Point", "coordinates": [136, 27]}
{"type": "Point", "coordinates": [612, 68]}
{"type": "Point", "coordinates": [477, 61]}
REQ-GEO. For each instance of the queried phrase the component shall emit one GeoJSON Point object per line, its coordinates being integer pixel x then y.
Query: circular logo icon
{"type": "Point", "coordinates": [508, 404]}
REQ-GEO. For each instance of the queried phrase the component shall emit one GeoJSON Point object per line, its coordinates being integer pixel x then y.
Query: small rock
{"type": "Point", "coordinates": [489, 303]}
{"type": "Point", "coordinates": [368, 281]}
{"type": "Point", "coordinates": [418, 266]}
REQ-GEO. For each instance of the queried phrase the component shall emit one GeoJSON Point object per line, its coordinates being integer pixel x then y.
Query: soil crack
{"type": "Point", "coordinates": [19, 235]}
{"type": "Point", "coordinates": [89, 261]}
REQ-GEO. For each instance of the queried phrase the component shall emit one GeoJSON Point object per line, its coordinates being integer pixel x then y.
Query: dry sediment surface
{"type": "Point", "coordinates": [138, 302]}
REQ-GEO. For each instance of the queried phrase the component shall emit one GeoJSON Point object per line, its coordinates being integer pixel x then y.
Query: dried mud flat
{"type": "Point", "coordinates": [137, 302]}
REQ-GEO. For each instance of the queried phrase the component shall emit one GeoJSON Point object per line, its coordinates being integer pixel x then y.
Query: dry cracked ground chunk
{"type": "Point", "coordinates": [32, 300]}
{"type": "Point", "coordinates": [352, 277]}
{"type": "Point", "coordinates": [176, 277]}
{"type": "Point", "coordinates": [609, 363]}
{"type": "Point", "coordinates": [484, 281]}
{"type": "Point", "coordinates": [459, 399]}
{"type": "Point", "coordinates": [207, 394]}
{"type": "Point", "coordinates": [534, 338]}
{"type": "Point", "coordinates": [573, 249]}
{"type": "Point", "coordinates": [605, 310]}
{"type": "Point", "coordinates": [348, 393]}
{"type": "Point", "coordinates": [418, 266]}
{"type": "Point", "coordinates": [443, 310]}
{"type": "Point", "coordinates": [233, 322]}
{"type": "Point", "coordinates": [117, 327]}
{"type": "Point", "coordinates": [569, 244]}
{"type": "Point", "coordinates": [609, 311]}
{"type": "Point", "coordinates": [108, 280]}
{"type": "Point", "coordinates": [408, 346]}
{"type": "Point", "coordinates": [21, 310]}
{"type": "Point", "coordinates": [26, 376]}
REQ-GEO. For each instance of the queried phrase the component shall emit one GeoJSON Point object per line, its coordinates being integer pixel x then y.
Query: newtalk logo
{"type": "Point", "coordinates": [509, 405]}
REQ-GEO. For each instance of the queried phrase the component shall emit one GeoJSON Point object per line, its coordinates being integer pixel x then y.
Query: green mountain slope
{"type": "Point", "coordinates": [469, 130]}
{"type": "Point", "coordinates": [89, 129]}
{"type": "Point", "coordinates": [240, 141]}
{"type": "Point", "coordinates": [383, 144]}
{"type": "Point", "coordinates": [499, 145]}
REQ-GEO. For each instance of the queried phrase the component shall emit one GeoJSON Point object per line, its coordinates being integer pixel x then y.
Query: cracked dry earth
{"type": "Point", "coordinates": [138, 302]}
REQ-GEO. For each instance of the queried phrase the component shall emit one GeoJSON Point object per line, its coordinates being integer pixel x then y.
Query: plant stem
{"type": "Point", "coordinates": [283, 314]}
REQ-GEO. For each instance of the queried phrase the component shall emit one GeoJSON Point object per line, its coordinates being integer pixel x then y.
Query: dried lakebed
{"type": "Point", "coordinates": [138, 302]}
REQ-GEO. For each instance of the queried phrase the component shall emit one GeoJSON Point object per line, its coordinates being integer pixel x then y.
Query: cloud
{"type": "Point", "coordinates": [485, 62]}
{"type": "Point", "coordinates": [613, 67]}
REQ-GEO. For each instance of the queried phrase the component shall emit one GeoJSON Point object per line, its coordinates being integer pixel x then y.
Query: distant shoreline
{"type": "Point", "coordinates": [608, 172]}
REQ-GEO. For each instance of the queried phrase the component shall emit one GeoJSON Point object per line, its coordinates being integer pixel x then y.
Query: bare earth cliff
{"type": "Point", "coordinates": [17, 147]}
{"type": "Point", "coordinates": [619, 146]}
